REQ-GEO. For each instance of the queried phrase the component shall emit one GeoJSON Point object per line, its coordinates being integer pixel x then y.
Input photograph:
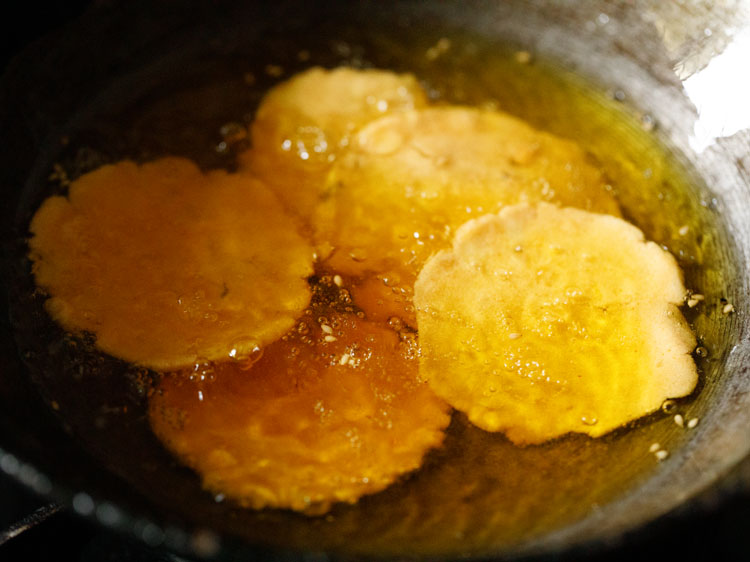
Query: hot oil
{"type": "Point", "coordinates": [477, 492]}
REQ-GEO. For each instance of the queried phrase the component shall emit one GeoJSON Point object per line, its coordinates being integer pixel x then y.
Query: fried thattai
{"type": "Point", "coordinates": [329, 413]}
{"type": "Point", "coordinates": [166, 265]}
{"type": "Point", "coordinates": [409, 179]}
{"type": "Point", "coordinates": [304, 122]}
{"type": "Point", "coordinates": [544, 320]}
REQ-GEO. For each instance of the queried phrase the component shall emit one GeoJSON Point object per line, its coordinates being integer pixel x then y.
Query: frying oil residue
{"type": "Point", "coordinates": [337, 408]}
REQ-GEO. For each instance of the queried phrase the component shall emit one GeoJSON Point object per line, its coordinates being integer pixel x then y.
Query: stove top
{"type": "Point", "coordinates": [720, 534]}
{"type": "Point", "coordinates": [61, 535]}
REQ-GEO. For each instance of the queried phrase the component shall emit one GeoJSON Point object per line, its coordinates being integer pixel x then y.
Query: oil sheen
{"type": "Point", "coordinates": [477, 492]}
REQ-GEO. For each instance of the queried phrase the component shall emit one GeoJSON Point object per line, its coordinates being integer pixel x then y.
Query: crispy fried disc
{"type": "Point", "coordinates": [302, 123]}
{"type": "Point", "coordinates": [542, 321]}
{"type": "Point", "coordinates": [167, 265]}
{"type": "Point", "coordinates": [410, 179]}
{"type": "Point", "coordinates": [332, 412]}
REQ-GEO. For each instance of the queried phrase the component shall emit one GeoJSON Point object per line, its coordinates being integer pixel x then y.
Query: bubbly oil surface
{"type": "Point", "coordinates": [478, 492]}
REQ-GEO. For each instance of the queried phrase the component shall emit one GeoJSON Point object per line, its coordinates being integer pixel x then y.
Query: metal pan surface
{"type": "Point", "coordinates": [142, 80]}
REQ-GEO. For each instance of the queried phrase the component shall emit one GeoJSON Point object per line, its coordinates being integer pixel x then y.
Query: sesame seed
{"type": "Point", "coordinates": [344, 359]}
{"type": "Point", "coordinates": [679, 420]}
{"type": "Point", "coordinates": [661, 454]}
{"type": "Point", "coordinates": [692, 423]}
{"type": "Point", "coordinates": [692, 303]}
{"type": "Point", "coordinates": [728, 308]}
{"type": "Point", "coordinates": [329, 338]}
{"type": "Point", "coordinates": [654, 447]}
{"type": "Point", "coordinates": [698, 297]}
{"type": "Point", "coordinates": [326, 328]}
{"type": "Point", "coordinates": [337, 280]}
{"type": "Point", "coordinates": [514, 336]}
{"type": "Point", "coordinates": [668, 406]}
{"type": "Point", "coordinates": [647, 122]}
{"type": "Point", "coordinates": [683, 230]}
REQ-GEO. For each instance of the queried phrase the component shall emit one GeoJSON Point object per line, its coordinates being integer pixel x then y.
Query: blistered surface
{"type": "Point", "coordinates": [408, 180]}
{"type": "Point", "coordinates": [166, 265]}
{"type": "Point", "coordinates": [542, 321]}
{"type": "Point", "coordinates": [303, 123]}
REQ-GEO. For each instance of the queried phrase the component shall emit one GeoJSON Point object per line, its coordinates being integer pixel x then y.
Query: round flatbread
{"type": "Point", "coordinates": [167, 266]}
{"type": "Point", "coordinates": [304, 122]}
{"type": "Point", "coordinates": [542, 320]}
{"type": "Point", "coordinates": [409, 179]}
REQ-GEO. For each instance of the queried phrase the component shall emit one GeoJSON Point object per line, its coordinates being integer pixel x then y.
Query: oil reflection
{"type": "Point", "coordinates": [721, 94]}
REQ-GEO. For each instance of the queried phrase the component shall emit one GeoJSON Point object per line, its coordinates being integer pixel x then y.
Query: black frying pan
{"type": "Point", "coordinates": [141, 81]}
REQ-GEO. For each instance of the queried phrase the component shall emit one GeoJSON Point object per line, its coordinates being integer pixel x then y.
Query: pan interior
{"type": "Point", "coordinates": [478, 493]}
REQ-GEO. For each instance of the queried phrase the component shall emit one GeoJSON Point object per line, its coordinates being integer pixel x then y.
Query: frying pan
{"type": "Point", "coordinates": [140, 80]}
